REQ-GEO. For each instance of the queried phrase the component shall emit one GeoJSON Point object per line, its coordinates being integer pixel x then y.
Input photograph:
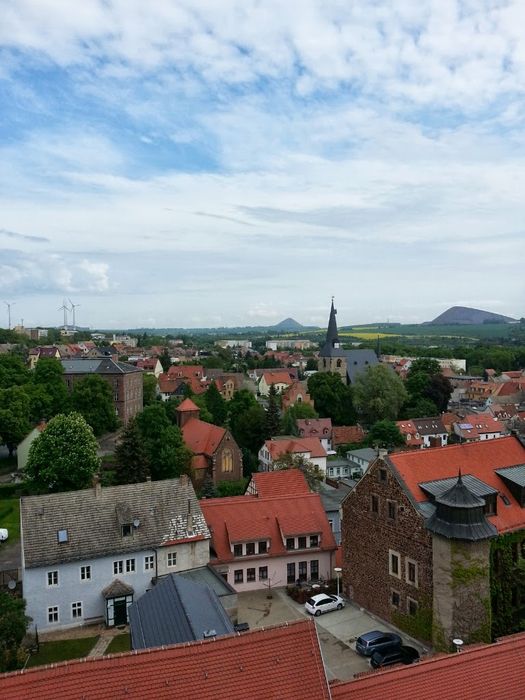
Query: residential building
{"type": "Point", "coordinates": [293, 343]}
{"type": "Point", "coordinates": [215, 452]}
{"type": "Point", "coordinates": [316, 427]}
{"type": "Point", "coordinates": [309, 448]}
{"type": "Point", "coordinates": [450, 363]}
{"type": "Point", "coordinates": [236, 343]}
{"type": "Point", "coordinates": [361, 458]}
{"type": "Point", "coordinates": [347, 435]}
{"type": "Point", "coordinates": [279, 378]}
{"type": "Point", "coordinates": [332, 495]}
{"type": "Point", "coordinates": [479, 426]}
{"type": "Point", "coordinates": [125, 381]}
{"type": "Point", "coordinates": [187, 371]}
{"type": "Point", "coordinates": [296, 393]}
{"type": "Point", "coordinates": [87, 555]}
{"type": "Point", "coordinates": [150, 365]}
{"type": "Point", "coordinates": [267, 541]}
{"type": "Point", "coordinates": [49, 351]}
{"type": "Point", "coordinates": [273, 662]}
{"type": "Point", "coordinates": [347, 363]}
{"type": "Point", "coordinates": [22, 450]}
{"type": "Point", "coordinates": [413, 530]}
{"type": "Point", "coordinates": [127, 340]}
{"type": "Point", "coordinates": [338, 468]}
{"type": "Point", "coordinates": [423, 432]}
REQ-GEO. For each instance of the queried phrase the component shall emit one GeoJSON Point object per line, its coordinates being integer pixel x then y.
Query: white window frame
{"type": "Point", "coordinates": [149, 562]}
{"type": "Point", "coordinates": [131, 566]}
{"type": "Point", "coordinates": [53, 610]}
{"type": "Point", "coordinates": [77, 610]}
{"type": "Point", "coordinates": [118, 567]}
{"type": "Point", "coordinates": [86, 570]}
{"type": "Point", "coordinates": [407, 579]}
{"type": "Point", "coordinates": [52, 578]}
{"type": "Point", "coordinates": [393, 553]}
{"type": "Point", "coordinates": [171, 559]}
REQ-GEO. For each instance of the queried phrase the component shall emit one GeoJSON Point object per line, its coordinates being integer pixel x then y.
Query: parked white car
{"type": "Point", "coordinates": [4, 534]}
{"type": "Point", "coordinates": [323, 602]}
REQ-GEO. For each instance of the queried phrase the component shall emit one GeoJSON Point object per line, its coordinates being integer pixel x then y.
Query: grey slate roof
{"type": "Point", "coordinates": [95, 365]}
{"type": "Point", "coordinates": [175, 611]}
{"type": "Point", "coordinates": [93, 522]}
{"type": "Point", "coordinates": [358, 361]}
{"type": "Point", "coordinates": [438, 487]}
{"type": "Point", "coordinates": [206, 575]}
{"type": "Point", "coordinates": [515, 474]}
{"type": "Point", "coordinates": [429, 426]}
{"type": "Point", "coordinates": [363, 453]}
{"type": "Point", "coordinates": [331, 497]}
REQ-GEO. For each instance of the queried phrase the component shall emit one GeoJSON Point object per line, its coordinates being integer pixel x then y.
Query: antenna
{"type": "Point", "coordinates": [73, 307]}
{"type": "Point", "coordinates": [65, 308]}
{"type": "Point", "coordinates": [9, 305]}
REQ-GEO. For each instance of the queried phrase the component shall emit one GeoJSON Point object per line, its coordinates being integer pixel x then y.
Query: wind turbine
{"type": "Point", "coordinates": [9, 305]}
{"type": "Point", "coordinates": [73, 307]}
{"type": "Point", "coordinates": [65, 308]}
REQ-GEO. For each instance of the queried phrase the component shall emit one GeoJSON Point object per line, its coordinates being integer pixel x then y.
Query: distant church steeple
{"type": "Point", "coordinates": [332, 358]}
{"type": "Point", "coordinates": [332, 335]}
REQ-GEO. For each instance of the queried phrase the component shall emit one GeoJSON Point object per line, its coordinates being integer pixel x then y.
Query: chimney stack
{"type": "Point", "coordinates": [97, 486]}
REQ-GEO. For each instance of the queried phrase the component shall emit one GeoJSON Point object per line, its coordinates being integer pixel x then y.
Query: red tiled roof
{"type": "Point", "coordinates": [507, 389]}
{"type": "Point", "coordinates": [168, 384]}
{"type": "Point", "coordinates": [487, 671]}
{"type": "Point", "coordinates": [147, 363]}
{"type": "Point", "coordinates": [479, 459]}
{"type": "Point", "coordinates": [277, 377]}
{"type": "Point", "coordinates": [186, 371]}
{"type": "Point", "coordinates": [187, 405]}
{"type": "Point", "coordinates": [271, 663]}
{"type": "Point", "coordinates": [280, 483]}
{"type": "Point", "coordinates": [277, 448]}
{"type": "Point", "coordinates": [315, 427]}
{"type": "Point", "coordinates": [248, 518]}
{"type": "Point", "coordinates": [199, 462]}
{"type": "Point", "coordinates": [346, 434]}
{"type": "Point", "coordinates": [481, 424]}
{"type": "Point", "coordinates": [202, 437]}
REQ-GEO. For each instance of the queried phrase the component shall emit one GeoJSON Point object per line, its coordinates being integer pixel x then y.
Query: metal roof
{"type": "Point", "coordinates": [439, 486]}
{"type": "Point", "coordinates": [515, 474]}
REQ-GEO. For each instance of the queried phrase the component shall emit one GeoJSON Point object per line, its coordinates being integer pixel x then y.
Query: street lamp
{"type": "Point", "coordinates": [338, 571]}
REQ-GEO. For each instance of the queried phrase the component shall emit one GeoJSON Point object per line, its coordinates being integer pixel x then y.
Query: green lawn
{"type": "Point", "coordinates": [63, 650]}
{"type": "Point", "coordinates": [121, 642]}
{"type": "Point", "coordinates": [10, 517]}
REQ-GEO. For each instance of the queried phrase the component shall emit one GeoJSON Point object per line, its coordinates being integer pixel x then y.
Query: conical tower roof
{"type": "Point", "coordinates": [331, 347]}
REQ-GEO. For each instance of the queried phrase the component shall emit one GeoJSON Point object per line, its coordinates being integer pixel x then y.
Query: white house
{"type": "Point", "coordinates": [280, 378]}
{"type": "Point", "coordinates": [309, 448]}
{"type": "Point", "coordinates": [87, 555]}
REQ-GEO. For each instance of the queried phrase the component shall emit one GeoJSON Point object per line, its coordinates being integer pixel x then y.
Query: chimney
{"type": "Point", "coordinates": [189, 522]}
{"type": "Point", "coordinates": [97, 485]}
{"type": "Point", "coordinates": [382, 453]}
{"type": "Point", "coordinates": [183, 480]}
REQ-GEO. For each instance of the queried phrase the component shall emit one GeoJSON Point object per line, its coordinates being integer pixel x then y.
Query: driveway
{"type": "Point", "coordinates": [337, 630]}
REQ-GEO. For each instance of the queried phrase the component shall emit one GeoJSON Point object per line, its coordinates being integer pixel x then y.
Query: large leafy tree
{"type": "Point", "coordinates": [215, 404]}
{"type": "Point", "coordinates": [48, 378]}
{"type": "Point", "coordinates": [13, 372]}
{"type": "Point", "coordinates": [93, 398]}
{"type": "Point", "coordinates": [332, 398]}
{"type": "Point", "coordinates": [173, 458]}
{"type": "Point", "coordinates": [64, 456]}
{"type": "Point", "coordinates": [13, 626]}
{"type": "Point", "coordinates": [385, 433]}
{"type": "Point", "coordinates": [273, 414]}
{"type": "Point", "coordinates": [149, 389]}
{"type": "Point", "coordinates": [425, 382]}
{"type": "Point", "coordinates": [240, 402]}
{"type": "Point", "coordinates": [314, 476]}
{"type": "Point", "coordinates": [14, 416]}
{"type": "Point", "coordinates": [131, 459]}
{"type": "Point", "coordinates": [379, 394]}
{"type": "Point", "coordinates": [250, 428]}
{"type": "Point", "coordinates": [293, 414]}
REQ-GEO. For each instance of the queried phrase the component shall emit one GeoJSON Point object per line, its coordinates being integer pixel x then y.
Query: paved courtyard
{"type": "Point", "coordinates": [337, 630]}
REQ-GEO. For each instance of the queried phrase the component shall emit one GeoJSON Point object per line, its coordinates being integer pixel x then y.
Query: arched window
{"type": "Point", "coordinates": [299, 398]}
{"type": "Point", "coordinates": [324, 363]}
{"type": "Point", "coordinates": [227, 461]}
{"type": "Point", "coordinates": [339, 363]}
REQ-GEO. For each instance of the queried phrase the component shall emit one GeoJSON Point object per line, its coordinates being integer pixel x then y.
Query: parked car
{"type": "Point", "coordinates": [4, 534]}
{"type": "Point", "coordinates": [376, 640]}
{"type": "Point", "coordinates": [402, 655]}
{"type": "Point", "coordinates": [323, 602]}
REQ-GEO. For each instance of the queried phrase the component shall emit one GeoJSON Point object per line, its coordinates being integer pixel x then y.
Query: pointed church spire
{"type": "Point", "coordinates": [332, 336]}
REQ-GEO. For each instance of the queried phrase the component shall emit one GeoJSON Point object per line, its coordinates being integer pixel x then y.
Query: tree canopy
{"type": "Point", "coordinates": [92, 397]}
{"type": "Point", "coordinates": [14, 416]}
{"type": "Point", "coordinates": [13, 626]}
{"type": "Point", "coordinates": [215, 404]}
{"type": "Point", "coordinates": [428, 390]}
{"type": "Point", "coordinates": [149, 389]}
{"type": "Point", "coordinates": [379, 394]}
{"type": "Point", "coordinates": [272, 423]}
{"type": "Point", "coordinates": [293, 414]}
{"type": "Point", "coordinates": [64, 456]}
{"type": "Point", "coordinates": [332, 397]}
{"type": "Point", "coordinates": [131, 458]}
{"type": "Point", "coordinates": [314, 476]}
{"type": "Point", "coordinates": [385, 433]}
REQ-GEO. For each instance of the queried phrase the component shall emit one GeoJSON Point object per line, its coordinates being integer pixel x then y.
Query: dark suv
{"type": "Point", "coordinates": [370, 642]}
{"type": "Point", "coordinates": [400, 655]}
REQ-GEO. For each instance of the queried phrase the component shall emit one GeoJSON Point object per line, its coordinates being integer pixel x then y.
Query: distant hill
{"type": "Point", "coordinates": [287, 326]}
{"type": "Point", "coordinates": [465, 315]}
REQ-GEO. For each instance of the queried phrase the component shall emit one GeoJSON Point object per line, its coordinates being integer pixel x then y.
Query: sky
{"type": "Point", "coordinates": [190, 163]}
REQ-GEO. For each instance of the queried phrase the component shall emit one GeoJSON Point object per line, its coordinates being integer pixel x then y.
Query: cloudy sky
{"type": "Point", "coordinates": [223, 162]}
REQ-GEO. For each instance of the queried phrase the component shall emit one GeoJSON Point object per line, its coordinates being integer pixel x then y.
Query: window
{"type": "Point", "coordinates": [290, 543]}
{"type": "Point", "coordinates": [130, 566]}
{"type": "Point", "coordinates": [85, 573]}
{"type": "Point", "coordinates": [314, 540]}
{"type": "Point", "coordinates": [238, 576]}
{"type": "Point", "coordinates": [118, 567]}
{"type": "Point", "coordinates": [127, 530]}
{"type": "Point", "coordinates": [250, 574]}
{"type": "Point", "coordinates": [52, 578]}
{"type": "Point", "coordinates": [172, 559]}
{"type": "Point", "coordinates": [302, 543]}
{"type": "Point", "coordinates": [263, 573]}
{"type": "Point", "coordinates": [395, 599]}
{"type": "Point", "coordinates": [263, 547]}
{"type": "Point", "coordinates": [76, 610]}
{"type": "Point", "coordinates": [374, 503]}
{"type": "Point", "coordinates": [382, 475]}
{"type": "Point", "coordinates": [237, 550]}
{"type": "Point", "coordinates": [411, 572]}
{"type": "Point", "coordinates": [314, 569]}
{"type": "Point", "coordinates": [250, 548]}
{"type": "Point", "coordinates": [412, 606]}
{"type": "Point", "coordinates": [391, 509]}
{"type": "Point", "coordinates": [52, 614]}
{"type": "Point", "coordinates": [148, 562]}
{"type": "Point", "coordinates": [394, 563]}
{"type": "Point", "coordinates": [62, 536]}
{"type": "Point", "coordinates": [227, 460]}
{"type": "Point", "coordinates": [290, 572]}
{"type": "Point", "coordinates": [491, 504]}
{"type": "Point", "coordinates": [331, 523]}
{"type": "Point", "coordinates": [303, 572]}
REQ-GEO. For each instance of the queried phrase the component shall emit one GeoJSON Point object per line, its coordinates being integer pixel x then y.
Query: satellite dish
{"type": "Point", "coordinates": [136, 522]}
{"type": "Point", "coordinates": [11, 584]}
{"type": "Point", "coordinates": [458, 643]}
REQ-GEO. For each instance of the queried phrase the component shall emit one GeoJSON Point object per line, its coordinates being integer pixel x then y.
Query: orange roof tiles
{"type": "Point", "coordinates": [346, 434]}
{"type": "Point", "coordinates": [277, 377]}
{"type": "Point", "coordinates": [202, 437]}
{"type": "Point", "coordinates": [187, 405]}
{"type": "Point", "coordinates": [277, 448]}
{"type": "Point", "coordinates": [283, 482]}
{"type": "Point", "coordinates": [272, 663]}
{"type": "Point", "coordinates": [479, 459]}
{"type": "Point", "coordinates": [488, 671]}
{"type": "Point", "coordinates": [247, 518]}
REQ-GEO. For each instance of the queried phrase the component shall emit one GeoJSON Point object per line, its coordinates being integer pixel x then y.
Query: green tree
{"type": "Point", "coordinates": [311, 365]}
{"type": "Point", "coordinates": [165, 360]}
{"type": "Point", "coordinates": [215, 404]}
{"type": "Point", "coordinates": [314, 476]}
{"type": "Point", "coordinates": [152, 423]}
{"type": "Point", "coordinates": [379, 394]}
{"type": "Point", "coordinates": [49, 377]}
{"type": "Point", "coordinates": [231, 488]}
{"type": "Point", "coordinates": [420, 408]}
{"type": "Point", "coordinates": [385, 433]}
{"type": "Point", "coordinates": [204, 413]}
{"type": "Point", "coordinates": [332, 398]}
{"type": "Point", "coordinates": [273, 414]}
{"type": "Point", "coordinates": [208, 489]}
{"type": "Point", "coordinates": [296, 412]}
{"type": "Point", "coordinates": [426, 382]}
{"type": "Point", "coordinates": [131, 459]}
{"type": "Point", "coordinates": [13, 626]}
{"type": "Point", "coordinates": [13, 372]}
{"type": "Point", "coordinates": [64, 456]}
{"type": "Point", "coordinates": [250, 429]}
{"type": "Point", "coordinates": [240, 402]}
{"type": "Point", "coordinates": [149, 389]}
{"type": "Point", "coordinates": [92, 397]}
{"type": "Point", "coordinates": [14, 417]}
{"type": "Point", "coordinates": [173, 458]}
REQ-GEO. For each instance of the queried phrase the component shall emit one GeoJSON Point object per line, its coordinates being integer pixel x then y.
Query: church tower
{"type": "Point", "coordinates": [332, 358]}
